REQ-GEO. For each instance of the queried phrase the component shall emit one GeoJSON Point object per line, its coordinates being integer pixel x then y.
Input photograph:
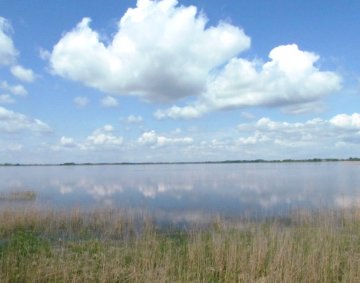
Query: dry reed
{"type": "Point", "coordinates": [111, 246]}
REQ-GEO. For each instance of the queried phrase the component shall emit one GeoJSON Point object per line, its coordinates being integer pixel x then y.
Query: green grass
{"type": "Point", "coordinates": [111, 246]}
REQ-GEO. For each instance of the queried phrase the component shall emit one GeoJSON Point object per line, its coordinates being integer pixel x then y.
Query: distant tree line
{"type": "Point", "coordinates": [200, 162]}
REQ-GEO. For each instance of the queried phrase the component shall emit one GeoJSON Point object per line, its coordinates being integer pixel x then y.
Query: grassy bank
{"type": "Point", "coordinates": [108, 246]}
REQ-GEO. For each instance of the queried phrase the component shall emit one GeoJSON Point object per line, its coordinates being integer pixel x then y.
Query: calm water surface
{"type": "Point", "coordinates": [190, 193]}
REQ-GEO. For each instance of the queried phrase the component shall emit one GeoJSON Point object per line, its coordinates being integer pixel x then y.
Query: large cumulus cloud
{"type": "Point", "coordinates": [163, 51]}
{"type": "Point", "coordinates": [289, 78]}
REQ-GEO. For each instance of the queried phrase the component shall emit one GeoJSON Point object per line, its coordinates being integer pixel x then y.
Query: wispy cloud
{"type": "Point", "coordinates": [81, 101]}
{"type": "Point", "coordinates": [13, 89]}
{"type": "Point", "coordinates": [6, 99]}
{"type": "Point", "coordinates": [12, 122]}
{"type": "Point", "coordinates": [109, 101]}
{"type": "Point", "coordinates": [133, 119]}
{"type": "Point", "coordinates": [151, 138]}
{"type": "Point", "coordinates": [22, 73]}
{"type": "Point", "coordinates": [8, 52]}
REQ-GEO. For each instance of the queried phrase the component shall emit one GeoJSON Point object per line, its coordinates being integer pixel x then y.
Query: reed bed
{"type": "Point", "coordinates": [113, 246]}
{"type": "Point", "coordinates": [18, 195]}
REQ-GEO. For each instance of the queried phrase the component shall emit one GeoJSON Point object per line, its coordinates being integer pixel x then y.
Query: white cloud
{"type": "Point", "coordinates": [44, 54]}
{"type": "Point", "coordinates": [148, 138]}
{"type": "Point", "coordinates": [100, 139]}
{"type": "Point", "coordinates": [261, 138]}
{"type": "Point", "coordinates": [267, 138]}
{"type": "Point", "coordinates": [11, 122]}
{"type": "Point", "coordinates": [290, 79]}
{"type": "Point", "coordinates": [254, 139]}
{"type": "Point", "coordinates": [13, 147]}
{"type": "Point", "coordinates": [22, 73]}
{"type": "Point", "coordinates": [14, 89]}
{"type": "Point", "coordinates": [107, 128]}
{"type": "Point", "coordinates": [286, 129]}
{"type": "Point", "coordinates": [159, 52]}
{"type": "Point", "coordinates": [186, 112]}
{"type": "Point", "coordinates": [177, 131]}
{"type": "Point", "coordinates": [306, 107]}
{"type": "Point", "coordinates": [340, 130]}
{"type": "Point", "coordinates": [6, 99]}
{"type": "Point", "coordinates": [132, 119]}
{"type": "Point", "coordinates": [109, 101]}
{"type": "Point", "coordinates": [152, 139]}
{"type": "Point", "coordinates": [104, 136]}
{"type": "Point", "coordinates": [247, 115]}
{"type": "Point", "coordinates": [67, 142]}
{"type": "Point", "coordinates": [344, 121]}
{"type": "Point", "coordinates": [8, 53]}
{"type": "Point", "coordinates": [81, 101]}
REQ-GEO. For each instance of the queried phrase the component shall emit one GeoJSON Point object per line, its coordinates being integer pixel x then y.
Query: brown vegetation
{"type": "Point", "coordinates": [18, 195]}
{"type": "Point", "coordinates": [111, 246]}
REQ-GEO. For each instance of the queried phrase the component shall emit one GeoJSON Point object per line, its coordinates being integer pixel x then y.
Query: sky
{"type": "Point", "coordinates": [167, 80]}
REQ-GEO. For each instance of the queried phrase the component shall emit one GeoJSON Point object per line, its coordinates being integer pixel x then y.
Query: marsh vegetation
{"type": "Point", "coordinates": [17, 195]}
{"type": "Point", "coordinates": [113, 246]}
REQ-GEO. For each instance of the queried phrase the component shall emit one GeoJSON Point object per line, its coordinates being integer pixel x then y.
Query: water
{"type": "Point", "coordinates": [188, 193]}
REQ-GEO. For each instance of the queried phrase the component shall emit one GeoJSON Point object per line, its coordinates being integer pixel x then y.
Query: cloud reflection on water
{"type": "Point", "coordinates": [193, 193]}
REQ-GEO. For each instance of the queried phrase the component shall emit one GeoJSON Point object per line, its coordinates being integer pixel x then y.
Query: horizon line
{"type": "Point", "coordinates": [288, 160]}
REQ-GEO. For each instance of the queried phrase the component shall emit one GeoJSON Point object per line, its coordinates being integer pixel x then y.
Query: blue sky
{"type": "Point", "coordinates": [131, 81]}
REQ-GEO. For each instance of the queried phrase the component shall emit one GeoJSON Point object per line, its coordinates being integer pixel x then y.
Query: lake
{"type": "Point", "coordinates": [188, 192]}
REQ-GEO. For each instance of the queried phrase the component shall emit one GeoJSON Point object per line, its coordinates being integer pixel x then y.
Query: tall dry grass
{"type": "Point", "coordinates": [111, 246]}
